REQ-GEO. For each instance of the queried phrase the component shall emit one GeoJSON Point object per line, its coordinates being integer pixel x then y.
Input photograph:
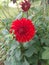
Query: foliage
{"type": "Point", "coordinates": [34, 52]}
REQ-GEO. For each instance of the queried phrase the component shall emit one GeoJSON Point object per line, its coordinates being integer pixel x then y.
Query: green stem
{"type": "Point", "coordinates": [27, 14]}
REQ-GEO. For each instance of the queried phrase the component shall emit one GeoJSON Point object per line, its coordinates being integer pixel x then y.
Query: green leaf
{"type": "Point", "coordinates": [18, 54]}
{"type": "Point", "coordinates": [4, 32]}
{"type": "Point", "coordinates": [28, 44]}
{"type": "Point", "coordinates": [13, 61]}
{"type": "Point", "coordinates": [10, 61]}
{"type": "Point", "coordinates": [29, 52]}
{"type": "Point", "coordinates": [19, 15]}
{"type": "Point", "coordinates": [26, 62]}
{"type": "Point", "coordinates": [45, 54]}
{"type": "Point", "coordinates": [30, 17]}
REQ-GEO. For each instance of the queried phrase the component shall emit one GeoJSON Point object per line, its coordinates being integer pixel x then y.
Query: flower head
{"type": "Point", "coordinates": [24, 29]}
{"type": "Point", "coordinates": [25, 5]}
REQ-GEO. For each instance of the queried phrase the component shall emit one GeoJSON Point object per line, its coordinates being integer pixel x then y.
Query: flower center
{"type": "Point", "coordinates": [25, 6]}
{"type": "Point", "coordinates": [22, 30]}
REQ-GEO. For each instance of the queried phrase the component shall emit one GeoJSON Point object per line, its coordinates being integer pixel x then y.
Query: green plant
{"type": "Point", "coordinates": [34, 52]}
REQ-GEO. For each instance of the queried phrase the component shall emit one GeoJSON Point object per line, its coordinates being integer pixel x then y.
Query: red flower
{"type": "Point", "coordinates": [24, 29]}
{"type": "Point", "coordinates": [25, 5]}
